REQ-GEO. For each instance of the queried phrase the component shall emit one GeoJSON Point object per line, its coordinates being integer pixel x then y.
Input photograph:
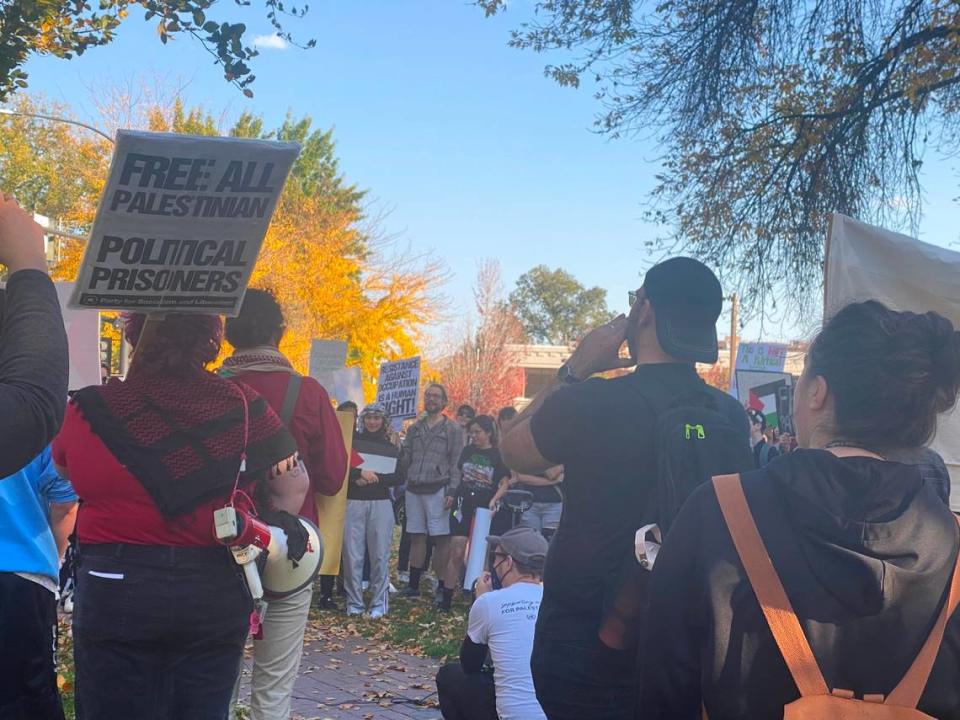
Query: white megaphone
{"type": "Point", "coordinates": [248, 538]}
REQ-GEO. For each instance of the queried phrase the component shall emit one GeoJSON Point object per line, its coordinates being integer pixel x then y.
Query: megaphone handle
{"type": "Point", "coordinates": [253, 581]}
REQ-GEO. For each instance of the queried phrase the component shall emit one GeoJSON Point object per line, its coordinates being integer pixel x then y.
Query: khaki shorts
{"type": "Point", "coordinates": [426, 514]}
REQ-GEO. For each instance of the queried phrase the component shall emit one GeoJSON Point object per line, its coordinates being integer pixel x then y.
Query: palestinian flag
{"type": "Point", "coordinates": [766, 404]}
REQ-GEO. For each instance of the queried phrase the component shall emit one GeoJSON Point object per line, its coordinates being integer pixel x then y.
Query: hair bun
{"type": "Point", "coordinates": [945, 358]}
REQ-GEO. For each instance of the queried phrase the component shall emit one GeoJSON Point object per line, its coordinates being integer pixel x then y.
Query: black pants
{"type": "Point", "coordinates": [579, 678]}
{"type": "Point", "coordinates": [158, 632]}
{"type": "Point", "coordinates": [28, 669]}
{"type": "Point", "coordinates": [466, 697]}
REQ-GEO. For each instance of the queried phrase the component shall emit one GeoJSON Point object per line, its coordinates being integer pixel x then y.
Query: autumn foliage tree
{"type": "Point", "coordinates": [324, 256]}
{"type": "Point", "coordinates": [481, 369]}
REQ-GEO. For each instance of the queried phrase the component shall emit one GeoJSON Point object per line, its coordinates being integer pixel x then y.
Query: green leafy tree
{"type": "Point", "coordinates": [555, 308]}
{"type": "Point", "coordinates": [68, 29]}
{"type": "Point", "coordinates": [771, 114]}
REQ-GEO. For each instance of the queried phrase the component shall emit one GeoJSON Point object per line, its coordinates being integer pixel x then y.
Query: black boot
{"type": "Point", "coordinates": [446, 599]}
{"type": "Point", "coordinates": [412, 590]}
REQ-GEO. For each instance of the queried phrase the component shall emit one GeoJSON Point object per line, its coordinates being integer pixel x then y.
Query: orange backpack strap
{"type": "Point", "coordinates": [767, 587]}
{"type": "Point", "coordinates": [908, 692]}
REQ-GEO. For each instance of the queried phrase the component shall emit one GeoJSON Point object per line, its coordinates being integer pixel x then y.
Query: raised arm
{"type": "Point", "coordinates": [34, 366]}
{"type": "Point", "coordinates": [597, 352]}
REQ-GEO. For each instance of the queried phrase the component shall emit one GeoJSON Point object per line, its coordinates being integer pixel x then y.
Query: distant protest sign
{"type": "Point", "coordinates": [327, 355]}
{"type": "Point", "coordinates": [181, 222]}
{"type": "Point", "coordinates": [398, 388]}
{"type": "Point", "coordinates": [763, 357]}
{"type": "Point", "coordinates": [83, 340]}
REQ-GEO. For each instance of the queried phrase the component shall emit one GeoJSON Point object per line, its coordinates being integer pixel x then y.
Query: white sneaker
{"type": "Point", "coordinates": [404, 577]}
{"type": "Point", "coordinates": [391, 589]}
{"type": "Point", "coordinates": [376, 614]}
{"type": "Point", "coordinates": [354, 613]}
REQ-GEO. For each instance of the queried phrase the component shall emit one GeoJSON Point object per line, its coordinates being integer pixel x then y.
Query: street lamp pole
{"type": "Point", "coordinates": [124, 347]}
{"type": "Point", "coordinates": [52, 118]}
{"type": "Point", "coordinates": [734, 341]}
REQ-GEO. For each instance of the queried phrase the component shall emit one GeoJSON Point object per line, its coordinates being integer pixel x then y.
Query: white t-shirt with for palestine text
{"type": "Point", "coordinates": [504, 620]}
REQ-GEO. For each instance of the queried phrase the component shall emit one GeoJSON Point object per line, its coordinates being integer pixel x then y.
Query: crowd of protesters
{"type": "Point", "coordinates": [656, 550]}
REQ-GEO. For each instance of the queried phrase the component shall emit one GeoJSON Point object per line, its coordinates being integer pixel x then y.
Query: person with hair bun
{"type": "Point", "coordinates": [161, 608]}
{"type": "Point", "coordinates": [865, 550]}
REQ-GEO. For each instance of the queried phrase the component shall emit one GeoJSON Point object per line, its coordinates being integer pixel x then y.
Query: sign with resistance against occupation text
{"type": "Point", "coordinates": [398, 388]}
{"type": "Point", "coordinates": [181, 222]}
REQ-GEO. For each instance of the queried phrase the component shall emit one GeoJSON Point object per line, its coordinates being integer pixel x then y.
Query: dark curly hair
{"type": "Point", "coordinates": [260, 321]}
{"type": "Point", "coordinates": [890, 373]}
{"type": "Point", "coordinates": [487, 424]}
{"type": "Point", "coordinates": [176, 342]}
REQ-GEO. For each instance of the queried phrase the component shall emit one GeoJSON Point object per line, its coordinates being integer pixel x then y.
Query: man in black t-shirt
{"type": "Point", "coordinates": [602, 431]}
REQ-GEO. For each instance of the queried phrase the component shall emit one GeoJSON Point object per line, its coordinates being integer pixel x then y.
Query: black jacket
{"type": "Point", "coordinates": [377, 491]}
{"type": "Point", "coordinates": [865, 550]}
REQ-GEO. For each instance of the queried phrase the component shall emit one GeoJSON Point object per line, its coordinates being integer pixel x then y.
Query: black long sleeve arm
{"type": "Point", "coordinates": [34, 369]}
{"type": "Point", "coordinates": [472, 655]}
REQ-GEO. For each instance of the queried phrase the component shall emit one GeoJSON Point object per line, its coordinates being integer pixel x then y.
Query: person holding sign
{"type": "Point", "coordinates": [304, 407]}
{"type": "Point", "coordinates": [369, 524]}
{"type": "Point", "coordinates": [34, 365]}
{"type": "Point", "coordinates": [161, 609]}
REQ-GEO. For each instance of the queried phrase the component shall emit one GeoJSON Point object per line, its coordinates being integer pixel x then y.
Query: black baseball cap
{"type": "Point", "coordinates": [687, 299]}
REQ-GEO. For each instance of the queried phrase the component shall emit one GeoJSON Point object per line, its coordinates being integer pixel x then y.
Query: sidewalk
{"type": "Point", "coordinates": [359, 679]}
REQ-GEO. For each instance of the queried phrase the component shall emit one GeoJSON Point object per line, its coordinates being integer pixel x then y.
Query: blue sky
{"type": "Point", "coordinates": [475, 153]}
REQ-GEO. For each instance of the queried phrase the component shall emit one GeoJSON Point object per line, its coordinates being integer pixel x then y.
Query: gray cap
{"type": "Point", "coordinates": [525, 545]}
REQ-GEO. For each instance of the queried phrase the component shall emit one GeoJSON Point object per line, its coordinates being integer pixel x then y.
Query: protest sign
{"type": "Point", "coordinates": [332, 511]}
{"type": "Point", "coordinates": [398, 388]}
{"type": "Point", "coordinates": [770, 393]}
{"type": "Point", "coordinates": [342, 385]}
{"type": "Point", "coordinates": [870, 263]}
{"type": "Point", "coordinates": [762, 357]}
{"type": "Point", "coordinates": [765, 357]}
{"type": "Point", "coordinates": [181, 222]}
{"type": "Point", "coordinates": [83, 340]}
{"type": "Point", "coordinates": [327, 355]}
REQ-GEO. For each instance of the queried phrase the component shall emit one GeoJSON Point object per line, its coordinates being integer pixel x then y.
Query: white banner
{"type": "Point", "coordinates": [870, 263]}
{"type": "Point", "coordinates": [181, 222]}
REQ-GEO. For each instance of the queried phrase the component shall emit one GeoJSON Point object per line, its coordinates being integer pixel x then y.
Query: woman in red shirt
{"type": "Point", "coordinates": [161, 609]}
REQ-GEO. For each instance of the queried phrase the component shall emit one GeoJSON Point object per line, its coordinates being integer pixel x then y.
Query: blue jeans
{"type": "Point", "coordinates": [542, 515]}
{"type": "Point", "coordinates": [158, 632]}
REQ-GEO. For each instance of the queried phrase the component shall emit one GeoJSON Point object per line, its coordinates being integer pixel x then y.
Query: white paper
{"type": "Point", "coordinates": [380, 464]}
{"type": "Point", "coordinates": [870, 263]}
{"type": "Point", "coordinates": [181, 222]}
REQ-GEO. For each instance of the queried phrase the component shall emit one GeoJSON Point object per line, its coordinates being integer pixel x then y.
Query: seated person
{"type": "Point", "coordinates": [502, 622]}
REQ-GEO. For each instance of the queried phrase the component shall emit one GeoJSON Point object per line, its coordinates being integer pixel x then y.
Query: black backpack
{"type": "Point", "coordinates": [694, 441]}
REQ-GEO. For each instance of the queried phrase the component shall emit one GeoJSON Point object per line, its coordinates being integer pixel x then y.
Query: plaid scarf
{"type": "Point", "coordinates": [182, 436]}
{"type": "Point", "coordinates": [263, 358]}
